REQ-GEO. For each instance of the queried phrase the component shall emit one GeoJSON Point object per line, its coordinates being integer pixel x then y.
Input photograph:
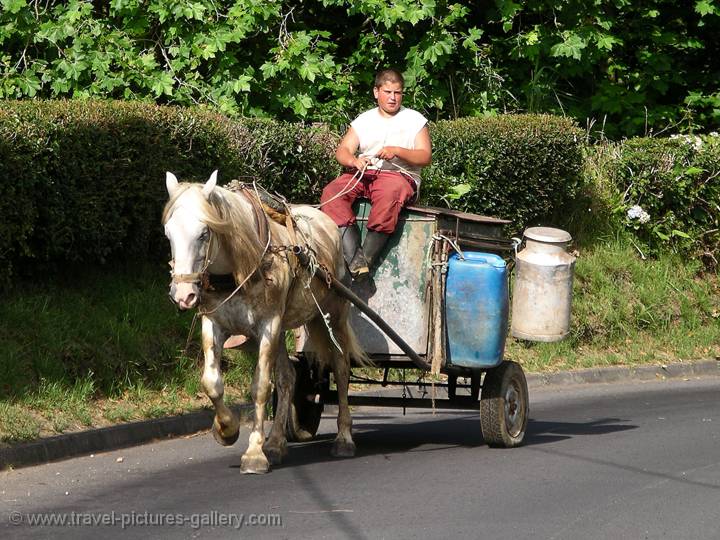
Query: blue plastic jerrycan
{"type": "Point", "coordinates": [476, 309]}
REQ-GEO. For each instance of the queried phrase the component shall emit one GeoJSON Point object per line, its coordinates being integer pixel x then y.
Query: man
{"type": "Point", "coordinates": [383, 152]}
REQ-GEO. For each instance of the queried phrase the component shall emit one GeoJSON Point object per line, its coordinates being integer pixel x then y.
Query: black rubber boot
{"type": "Point", "coordinates": [373, 245]}
{"type": "Point", "coordinates": [353, 253]}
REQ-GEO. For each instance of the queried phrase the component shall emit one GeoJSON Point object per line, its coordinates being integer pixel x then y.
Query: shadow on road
{"type": "Point", "coordinates": [438, 434]}
{"type": "Point", "coordinates": [539, 432]}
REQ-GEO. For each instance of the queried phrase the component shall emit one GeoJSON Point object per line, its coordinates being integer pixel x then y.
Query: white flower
{"type": "Point", "coordinates": [691, 140]}
{"type": "Point", "coordinates": [636, 212]}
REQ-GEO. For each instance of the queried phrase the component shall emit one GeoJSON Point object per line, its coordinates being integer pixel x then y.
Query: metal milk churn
{"type": "Point", "coordinates": [542, 293]}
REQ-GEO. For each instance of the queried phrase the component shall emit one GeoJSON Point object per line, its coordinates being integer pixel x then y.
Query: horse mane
{"type": "Point", "coordinates": [231, 219]}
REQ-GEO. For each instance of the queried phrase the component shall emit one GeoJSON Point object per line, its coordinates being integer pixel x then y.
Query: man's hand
{"type": "Point", "coordinates": [360, 162]}
{"type": "Point", "coordinates": [387, 152]}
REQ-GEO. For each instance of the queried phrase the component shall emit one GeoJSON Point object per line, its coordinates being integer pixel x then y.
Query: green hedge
{"type": "Point", "coordinates": [667, 192]}
{"type": "Point", "coordinates": [518, 167]}
{"type": "Point", "coordinates": [83, 181]}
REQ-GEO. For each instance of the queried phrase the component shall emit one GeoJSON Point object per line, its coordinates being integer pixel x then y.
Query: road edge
{"type": "Point", "coordinates": [104, 439]}
{"type": "Point", "coordinates": [136, 433]}
{"type": "Point", "coordinates": [700, 368]}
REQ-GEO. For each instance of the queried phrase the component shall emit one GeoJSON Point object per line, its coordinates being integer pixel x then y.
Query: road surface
{"type": "Point", "coordinates": [600, 461]}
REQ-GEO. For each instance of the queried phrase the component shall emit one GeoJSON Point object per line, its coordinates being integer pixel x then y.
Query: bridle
{"type": "Point", "coordinates": [200, 278]}
{"type": "Point", "coordinates": [214, 282]}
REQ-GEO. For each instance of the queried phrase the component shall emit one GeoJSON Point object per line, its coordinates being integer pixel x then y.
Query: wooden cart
{"type": "Point", "coordinates": [400, 319]}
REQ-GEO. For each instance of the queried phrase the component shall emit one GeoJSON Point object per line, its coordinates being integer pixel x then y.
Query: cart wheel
{"type": "Point", "coordinates": [504, 405]}
{"type": "Point", "coordinates": [304, 414]}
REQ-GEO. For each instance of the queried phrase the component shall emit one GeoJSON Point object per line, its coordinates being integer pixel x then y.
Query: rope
{"type": "Point", "coordinates": [357, 177]}
{"type": "Point", "coordinates": [451, 242]}
{"type": "Point", "coordinates": [312, 268]}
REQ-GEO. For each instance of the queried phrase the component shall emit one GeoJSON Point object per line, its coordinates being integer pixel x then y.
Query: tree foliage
{"type": "Point", "coordinates": [629, 67]}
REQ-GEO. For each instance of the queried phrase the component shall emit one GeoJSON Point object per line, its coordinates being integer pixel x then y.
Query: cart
{"type": "Point", "coordinates": [407, 322]}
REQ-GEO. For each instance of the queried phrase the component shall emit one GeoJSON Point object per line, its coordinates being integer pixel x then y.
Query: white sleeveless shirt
{"type": "Point", "coordinates": [375, 131]}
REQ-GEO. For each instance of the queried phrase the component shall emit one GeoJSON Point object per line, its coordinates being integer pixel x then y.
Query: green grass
{"type": "Point", "coordinates": [17, 424]}
{"type": "Point", "coordinates": [95, 347]}
{"type": "Point", "coordinates": [106, 347]}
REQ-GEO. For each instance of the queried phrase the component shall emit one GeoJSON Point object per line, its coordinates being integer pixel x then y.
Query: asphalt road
{"type": "Point", "coordinates": [600, 461]}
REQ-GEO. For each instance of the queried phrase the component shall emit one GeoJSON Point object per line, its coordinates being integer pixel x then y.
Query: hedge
{"type": "Point", "coordinates": [83, 181]}
{"type": "Point", "coordinates": [518, 167]}
{"type": "Point", "coordinates": [667, 192]}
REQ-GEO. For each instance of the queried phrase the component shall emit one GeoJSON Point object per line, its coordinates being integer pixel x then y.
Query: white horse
{"type": "Point", "coordinates": [214, 231]}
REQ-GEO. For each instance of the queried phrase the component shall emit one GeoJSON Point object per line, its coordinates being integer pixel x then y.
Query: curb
{"type": "Point", "coordinates": [700, 368]}
{"type": "Point", "coordinates": [136, 433]}
{"type": "Point", "coordinates": [111, 438]}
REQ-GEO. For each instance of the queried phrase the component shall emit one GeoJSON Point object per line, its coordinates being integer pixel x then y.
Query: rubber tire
{"type": "Point", "coordinates": [504, 406]}
{"type": "Point", "coordinates": [304, 415]}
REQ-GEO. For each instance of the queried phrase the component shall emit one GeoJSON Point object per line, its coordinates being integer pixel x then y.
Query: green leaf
{"type": "Point", "coordinates": [571, 47]}
{"type": "Point", "coordinates": [606, 42]}
{"type": "Point", "coordinates": [13, 6]}
{"type": "Point", "coordinates": [681, 234]}
{"type": "Point", "coordinates": [162, 84]}
{"type": "Point", "coordinates": [242, 84]}
{"type": "Point", "coordinates": [705, 7]}
{"type": "Point", "coordinates": [29, 85]}
{"type": "Point", "coordinates": [458, 191]}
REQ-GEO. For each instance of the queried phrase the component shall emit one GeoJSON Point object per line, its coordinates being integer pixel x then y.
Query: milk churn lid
{"type": "Point", "coordinates": [547, 234]}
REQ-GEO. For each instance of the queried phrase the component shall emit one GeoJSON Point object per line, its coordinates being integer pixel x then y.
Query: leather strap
{"type": "Point", "coordinates": [260, 217]}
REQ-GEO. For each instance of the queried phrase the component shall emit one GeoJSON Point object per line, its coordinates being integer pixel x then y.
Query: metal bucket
{"type": "Point", "coordinates": [542, 292]}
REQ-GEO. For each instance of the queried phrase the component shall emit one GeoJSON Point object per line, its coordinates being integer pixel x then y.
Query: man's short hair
{"type": "Point", "coordinates": [389, 75]}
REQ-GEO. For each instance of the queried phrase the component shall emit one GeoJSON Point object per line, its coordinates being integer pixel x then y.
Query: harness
{"type": "Point", "coordinates": [264, 206]}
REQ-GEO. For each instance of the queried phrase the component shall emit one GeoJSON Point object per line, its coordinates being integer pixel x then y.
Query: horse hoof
{"type": "Point", "coordinates": [274, 454]}
{"type": "Point", "coordinates": [224, 440]}
{"type": "Point", "coordinates": [343, 449]}
{"type": "Point", "coordinates": [254, 465]}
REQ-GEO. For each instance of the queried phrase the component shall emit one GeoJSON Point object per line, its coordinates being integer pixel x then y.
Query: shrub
{"type": "Point", "coordinates": [518, 167]}
{"type": "Point", "coordinates": [668, 192]}
{"type": "Point", "coordinates": [83, 181]}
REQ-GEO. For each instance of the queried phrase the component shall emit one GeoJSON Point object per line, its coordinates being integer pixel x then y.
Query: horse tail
{"type": "Point", "coordinates": [323, 344]}
{"type": "Point", "coordinates": [352, 349]}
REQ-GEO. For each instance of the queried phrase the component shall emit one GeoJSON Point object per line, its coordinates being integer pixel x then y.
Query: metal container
{"type": "Point", "coordinates": [542, 292]}
{"type": "Point", "coordinates": [476, 309]}
{"type": "Point", "coordinates": [398, 287]}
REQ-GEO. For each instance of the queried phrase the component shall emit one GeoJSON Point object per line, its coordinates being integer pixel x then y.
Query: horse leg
{"type": "Point", "coordinates": [328, 354]}
{"type": "Point", "coordinates": [276, 446]}
{"type": "Point", "coordinates": [226, 426]}
{"type": "Point", "coordinates": [254, 460]}
{"type": "Point", "coordinates": [343, 445]}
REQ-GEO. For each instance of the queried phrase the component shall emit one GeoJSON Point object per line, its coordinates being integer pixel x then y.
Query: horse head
{"type": "Point", "coordinates": [190, 239]}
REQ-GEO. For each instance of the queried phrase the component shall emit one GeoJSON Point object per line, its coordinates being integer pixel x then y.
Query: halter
{"type": "Point", "coordinates": [201, 278]}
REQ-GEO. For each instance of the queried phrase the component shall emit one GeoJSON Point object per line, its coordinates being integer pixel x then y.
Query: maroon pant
{"type": "Point", "coordinates": [388, 192]}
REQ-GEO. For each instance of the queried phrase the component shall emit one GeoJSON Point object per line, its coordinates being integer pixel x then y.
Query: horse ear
{"type": "Point", "coordinates": [210, 184]}
{"type": "Point", "coordinates": [171, 183]}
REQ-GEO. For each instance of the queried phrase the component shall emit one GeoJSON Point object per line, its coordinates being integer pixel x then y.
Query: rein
{"type": "Point", "coordinates": [263, 226]}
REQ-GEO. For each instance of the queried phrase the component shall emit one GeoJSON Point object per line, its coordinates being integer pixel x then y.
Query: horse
{"type": "Point", "coordinates": [216, 232]}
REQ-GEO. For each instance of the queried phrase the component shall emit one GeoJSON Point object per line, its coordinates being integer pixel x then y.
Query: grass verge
{"type": "Point", "coordinates": [97, 348]}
